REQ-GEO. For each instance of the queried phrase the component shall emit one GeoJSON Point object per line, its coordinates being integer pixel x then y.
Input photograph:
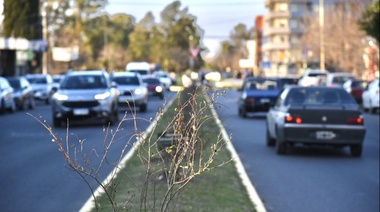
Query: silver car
{"type": "Point", "coordinates": [133, 91]}
{"type": "Point", "coordinates": [85, 95]}
{"type": "Point", "coordinates": [6, 96]}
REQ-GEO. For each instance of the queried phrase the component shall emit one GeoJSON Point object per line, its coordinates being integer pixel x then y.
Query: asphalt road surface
{"type": "Point", "coordinates": [34, 174]}
{"type": "Point", "coordinates": [306, 179]}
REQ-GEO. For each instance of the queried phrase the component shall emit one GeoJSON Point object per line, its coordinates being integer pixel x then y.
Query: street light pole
{"type": "Point", "coordinates": [44, 36]}
{"type": "Point", "coordinates": [321, 35]}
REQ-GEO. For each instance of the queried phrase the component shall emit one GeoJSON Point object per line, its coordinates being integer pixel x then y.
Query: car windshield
{"type": "Point", "coordinates": [37, 80]}
{"type": "Point", "coordinates": [141, 72]}
{"type": "Point", "coordinates": [126, 80]}
{"type": "Point", "coordinates": [318, 96]}
{"type": "Point", "coordinates": [263, 84]}
{"type": "Point", "coordinates": [84, 82]}
{"type": "Point", "coordinates": [15, 83]}
{"type": "Point", "coordinates": [342, 79]}
{"type": "Point", "coordinates": [152, 81]}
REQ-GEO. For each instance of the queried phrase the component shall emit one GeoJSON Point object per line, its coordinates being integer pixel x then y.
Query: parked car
{"type": "Point", "coordinates": [370, 96]}
{"type": "Point", "coordinates": [7, 101]}
{"type": "Point", "coordinates": [257, 94]}
{"type": "Point", "coordinates": [155, 87]}
{"type": "Point", "coordinates": [337, 79]}
{"type": "Point", "coordinates": [315, 116]}
{"type": "Point", "coordinates": [57, 80]}
{"type": "Point", "coordinates": [23, 92]}
{"type": "Point", "coordinates": [133, 91]}
{"type": "Point", "coordinates": [355, 87]}
{"type": "Point", "coordinates": [86, 95]}
{"type": "Point", "coordinates": [164, 78]}
{"type": "Point", "coordinates": [42, 85]}
{"type": "Point", "coordinates": [313, 77]}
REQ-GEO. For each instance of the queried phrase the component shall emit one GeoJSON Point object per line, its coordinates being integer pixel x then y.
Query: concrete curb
{"type": "Point", "coordinates": [239, 165]}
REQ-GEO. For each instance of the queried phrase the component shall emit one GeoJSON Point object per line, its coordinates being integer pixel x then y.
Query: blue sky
{"type": "Point", "coordinates": [216, 17]}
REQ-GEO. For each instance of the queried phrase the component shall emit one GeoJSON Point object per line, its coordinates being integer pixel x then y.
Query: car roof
{"type": "Point", "coordinates": [88, 72]}
{"type": "Point", "coordinates": [129, 74]}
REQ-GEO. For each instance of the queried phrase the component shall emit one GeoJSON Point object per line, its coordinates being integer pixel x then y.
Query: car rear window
{"type": "Point", "coordinates": [262, 85]}
{"type": "Point", "coordinates": [318, 96]}
{"type": "Point", "coordinates": [122, 80]}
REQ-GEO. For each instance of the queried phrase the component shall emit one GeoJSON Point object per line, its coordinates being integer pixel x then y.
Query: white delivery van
{"type": "Point", "coordinates": [143, 68]}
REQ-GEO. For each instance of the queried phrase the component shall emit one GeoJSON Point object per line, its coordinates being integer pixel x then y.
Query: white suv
{"type": "Point", "coordinates": [133, 91]}
{"type": "Point", "coordinates": [371, 97]}
{"type": "Point", "coordinates": [313, 77]}
{"type": "Point", "coordinates": [42, 85]}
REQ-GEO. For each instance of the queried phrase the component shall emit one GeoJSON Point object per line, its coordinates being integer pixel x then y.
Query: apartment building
{"type": "Point", "coordinates": [283, 47]}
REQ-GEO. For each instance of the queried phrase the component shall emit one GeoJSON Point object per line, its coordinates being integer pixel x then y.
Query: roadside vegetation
{"type": "Point", "coordinates": [180, 164]}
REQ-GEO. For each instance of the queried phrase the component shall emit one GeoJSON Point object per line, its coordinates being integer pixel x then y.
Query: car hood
{"type": "Point", "coordinates": [262, 93]}
{"type": "Point", "coordinates": [39, 86]}
{"type": "Point", "coordinates": [127, 87]}
{"type": "Point", "coordinates": [82, 94]}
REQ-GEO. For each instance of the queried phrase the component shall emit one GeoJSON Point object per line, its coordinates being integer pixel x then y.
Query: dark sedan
{"type": "Point", "coordinates": [155, 87]}
{"type": "Point", "coordinates": [315, 116]}
{"type": "Point", "coordinates": [23, 92]}
{"type": "Point", "coordinates": [257, 94]}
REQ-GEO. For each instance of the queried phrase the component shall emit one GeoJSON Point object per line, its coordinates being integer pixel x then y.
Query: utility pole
{"type": "Point", "coordinates": [321, 35]}
{"type": "Point", "coordinates": [44, 37]}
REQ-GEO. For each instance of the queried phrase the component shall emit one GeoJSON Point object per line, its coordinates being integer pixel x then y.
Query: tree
{"type": "Point", "coordinates": [343, 39]}
{"type": "Point", "coordinates": [22, 21]}
{"type": "Point", "coordinates": [370, 21]}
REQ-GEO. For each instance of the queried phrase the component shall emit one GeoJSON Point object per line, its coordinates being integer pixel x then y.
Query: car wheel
{"type": "Point", "coordinates": [270, 141]}
{"type": "Point", "coordinates": [2, 107]}
{"type": "Point", "coordinates": [242, 112]}
{"type": "Point", "coordinates": [32, 103]}
{"type": "Point", "coordinates": [47, 101]}
{"type": "Point", "coordinates": [143, 107]}
{"type": "Point", "coordinates": [280, 146]}
{"type": "Point", "coordinates": [162, 96]}
{"type": "Point", "coordinates": [22, 106]}
{"type": "Point", "coordinates": [57, 122]}
{"type": "Point", "coordinates": [13, 107]}
{"type": "Point", "coordinates": [356, 150]}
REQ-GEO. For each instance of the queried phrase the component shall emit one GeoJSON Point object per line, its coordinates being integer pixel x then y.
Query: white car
{"type": "Point", "coordinates": [313, 77]}
{"type": "Point", "coordinates": [370, 96]}
{"type": "Point", "coordinates": [337, 79]}
{"type": "Point", "coordinates": [164, 78]}
{"type": "Point", "coordinates": [133, 91]}
{"type": "Point", "coordinates": [42, 85]}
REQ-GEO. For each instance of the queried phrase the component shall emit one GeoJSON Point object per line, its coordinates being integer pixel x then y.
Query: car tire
{"type": "Point", "coordinates": [143, 107]}
{"type": "Point", "coordinates": [23, 105]}
{"type": "Point", "coordinates": [12, 109]}
{"type": "Point", "coordinates": [280, 146]}
{"type": "Point", "coordinates": [270, 141]}
{"type": "Point", "coordinates": [242, 113]}
{"type": "Point", "coordinates": [32, 103]}
{"type": "Point", "coordinates": [2, 107]}
{"type": "Point", "coordinates": [356, 150]}
{"type": "Point", "coordinates": [57, 122]}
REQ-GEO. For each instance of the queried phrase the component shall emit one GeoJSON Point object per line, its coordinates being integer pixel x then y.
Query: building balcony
{"type": "Point", "coordinates": [269, 2]}
{"type": "Point", "coordinates": [270, 46]}
{"type": "Point", "coordinates": [268, 31]}
{"type": "Point", "coordinates": [277, 14]}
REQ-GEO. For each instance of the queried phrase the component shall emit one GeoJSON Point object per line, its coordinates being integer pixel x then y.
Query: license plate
{"type": "Point", "coordinates": [325, 135]}
{"type": "Point", "coordinates": [81, 112]}
{"type": "Point", "coordinates": [265, 100]}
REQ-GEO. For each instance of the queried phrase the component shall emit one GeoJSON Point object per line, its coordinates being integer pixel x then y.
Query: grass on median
{"type": "Point", "coordinates": [207, 181]}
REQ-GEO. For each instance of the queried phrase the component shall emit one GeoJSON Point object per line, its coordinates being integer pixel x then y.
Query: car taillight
{"type": "Point", "coordinates": [249, 101]}
{"type": "Point", "coordinates": [293, 119]}
{"type": "Point", "coordinates": [356, 120]}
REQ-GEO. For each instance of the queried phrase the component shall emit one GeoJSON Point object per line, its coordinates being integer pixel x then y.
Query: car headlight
{"type": "Point", "coordinates": [159, 89]}
{"type": "Point", "coordinates": [102, 96]}
{"type": "Point", "coordinates": [60, 97]}
{"type": "Point", "coordinates": [138, 91]}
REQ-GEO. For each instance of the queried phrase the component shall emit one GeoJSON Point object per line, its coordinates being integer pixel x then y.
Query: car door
{"type": "Point", "coordinates": [274, 113]}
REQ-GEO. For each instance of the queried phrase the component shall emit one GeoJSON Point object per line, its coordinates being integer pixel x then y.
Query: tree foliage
{"type": "Point", "coordinates": [370, 21]}
{"type": "Point", "coordinates": [22, 21]}
{"type": "Point", "coordinates": [343, 39]}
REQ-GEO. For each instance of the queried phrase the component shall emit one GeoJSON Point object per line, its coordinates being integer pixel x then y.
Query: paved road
{"type": "Point", "coordinates": [306, 179]}
{"type": "Point", "coordinates": [34, 175]}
